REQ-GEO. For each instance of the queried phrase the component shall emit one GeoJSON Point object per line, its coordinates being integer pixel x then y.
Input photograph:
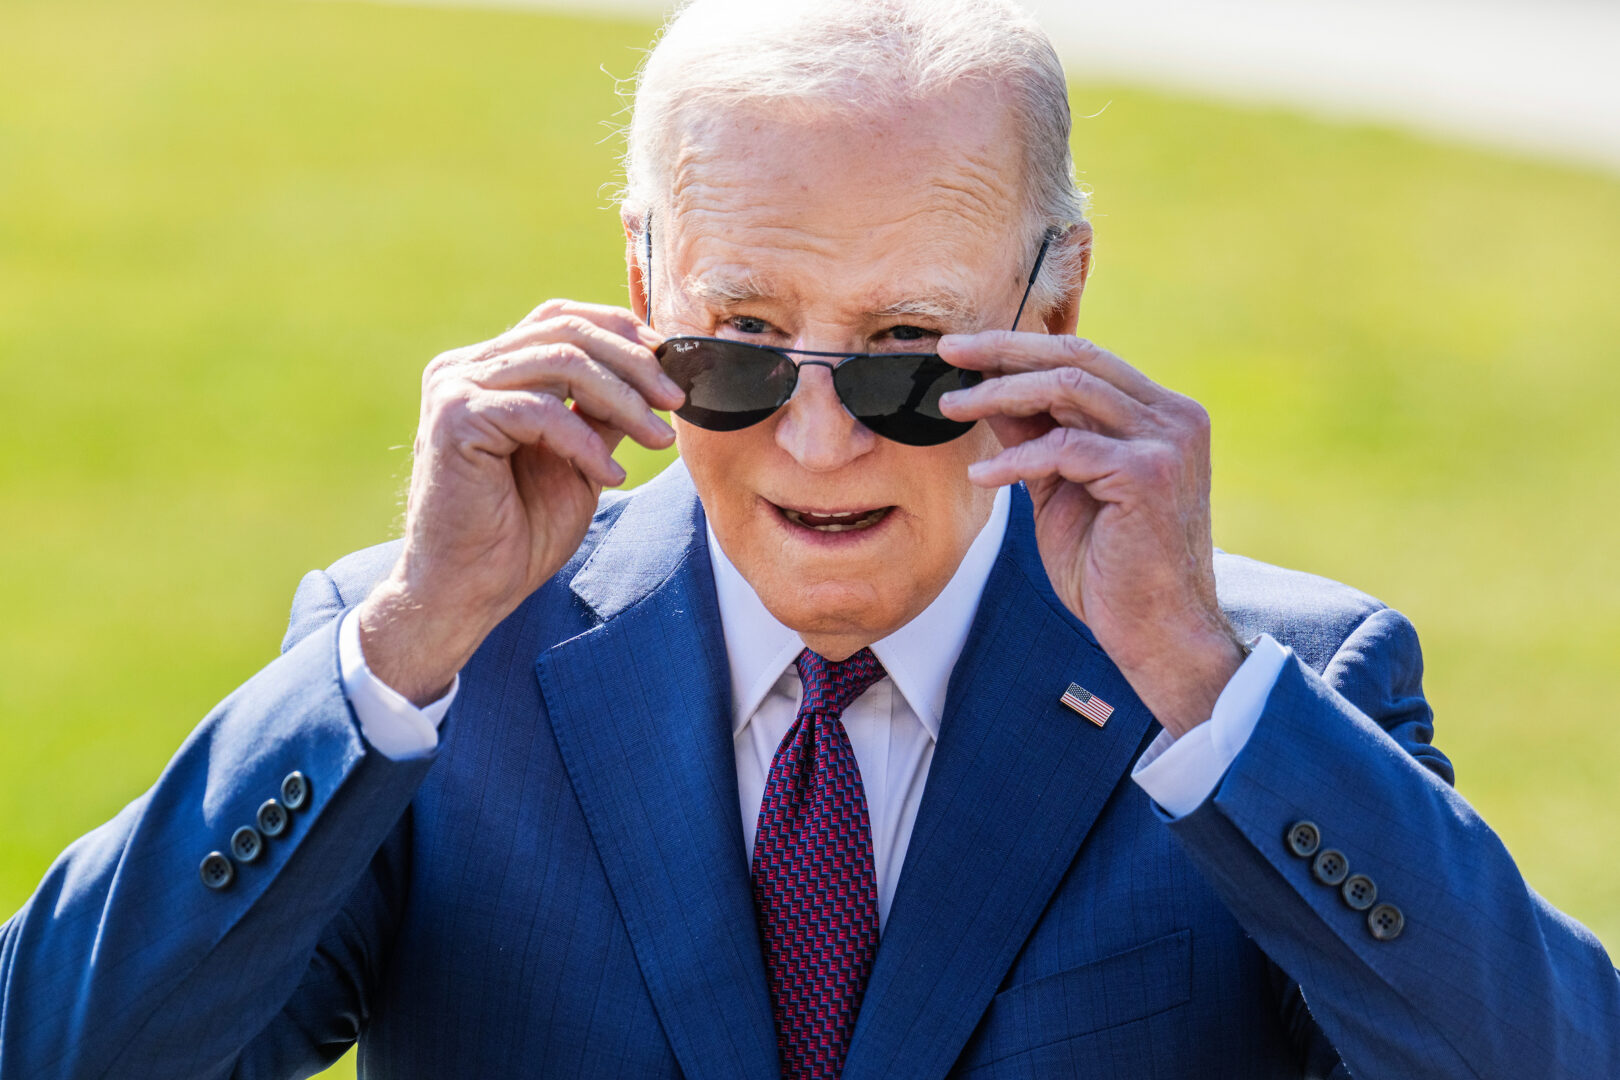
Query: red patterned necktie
{"type": "Point", "coordinates": [815, 885]}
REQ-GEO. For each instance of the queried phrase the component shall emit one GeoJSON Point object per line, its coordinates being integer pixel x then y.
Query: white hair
{"type": "Point", "coordinates": [827, 57]}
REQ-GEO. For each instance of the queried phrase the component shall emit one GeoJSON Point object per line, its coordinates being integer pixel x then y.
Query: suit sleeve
{"type": "Point", "coordinates": [125, 964]}
{"type": "Point", "coordinates": [1481, 978]}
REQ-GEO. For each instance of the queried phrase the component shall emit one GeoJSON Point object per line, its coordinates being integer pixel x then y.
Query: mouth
{"type": "Point", "coordinates": [835, 521]}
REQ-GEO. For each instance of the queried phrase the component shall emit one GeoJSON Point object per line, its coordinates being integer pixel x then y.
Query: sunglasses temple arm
{"type": "Point", "coordinates": [1035, 272]}
{"type": "Point", "coordinates": [646, 273]}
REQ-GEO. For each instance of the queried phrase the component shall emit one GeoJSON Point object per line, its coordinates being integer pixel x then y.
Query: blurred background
{"type": "Point", "coordinates": [1378, 242]}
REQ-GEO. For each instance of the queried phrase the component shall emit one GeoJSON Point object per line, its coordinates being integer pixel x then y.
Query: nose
{"type": "Point", "coordinates": [814, 427]}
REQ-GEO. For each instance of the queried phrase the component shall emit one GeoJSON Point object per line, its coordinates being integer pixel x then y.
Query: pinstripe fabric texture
{"type": "Point", "coordinates": [815, 884]}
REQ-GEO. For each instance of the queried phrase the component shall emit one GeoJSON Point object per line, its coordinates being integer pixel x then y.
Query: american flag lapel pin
{"type": "Point", "coordinates": [1087, 704]}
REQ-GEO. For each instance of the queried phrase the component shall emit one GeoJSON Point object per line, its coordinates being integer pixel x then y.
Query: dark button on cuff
{"type": "Point", "coordinates": [246, 844]}
{"type": "Point", "coordinates": [217, 871]}
{"type": "Point", "coordinates": [272, 818]}
{"type": "Point", "coordinates": [1304, 838]}
{"type": "Point", "coordinates": [1359, 891]}
{"type": "Point", "coordinates": [295, 791]}
{"type": "Point", "coordinates": [1330, 866]}
{"type": "Point", "coordinates": [1386, 922]}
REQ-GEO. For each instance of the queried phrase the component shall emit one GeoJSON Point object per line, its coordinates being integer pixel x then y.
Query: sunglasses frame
{"type": "Point", "coordinates": [834, 361]}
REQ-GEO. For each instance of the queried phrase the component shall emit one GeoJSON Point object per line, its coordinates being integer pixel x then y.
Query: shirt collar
{"type": "Point", "coordinates": [918, 657]}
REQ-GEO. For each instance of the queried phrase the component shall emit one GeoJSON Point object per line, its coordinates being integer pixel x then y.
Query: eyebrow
{"type": "Point", "coordinates": [726, 289]}
{"type": "Point", "coordinates": [729, 290]}
{"type": "Point", "coordinates": [948, 307]}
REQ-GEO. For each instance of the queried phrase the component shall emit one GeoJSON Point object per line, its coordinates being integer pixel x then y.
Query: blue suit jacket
{"type": "Point", "coordinates": [563, 890]}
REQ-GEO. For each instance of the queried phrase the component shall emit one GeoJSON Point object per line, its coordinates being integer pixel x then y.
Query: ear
{"type": "Point", "coordinates": [1065, 314]}
{"type": "Point", "coordinates": [632, 265]}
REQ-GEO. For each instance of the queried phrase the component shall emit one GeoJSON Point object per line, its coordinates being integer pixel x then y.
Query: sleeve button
{"type": "Point", "coordinates": [1359, 891]}
{"type": "Point", "coordinates": [295, 791]}
{"type": "Point", "coordinates": [272, 818]}
{"type": "Point", "coordinates": [1330, 866]}
{"type": "Point", "coordinates": [1386, 922]}
{"type": "Point", "coordinates": [217, 871]}
{"type": "Point", "coordinates": [246, 844]}
{"type": "Point", "coordinates": [1304, 838]}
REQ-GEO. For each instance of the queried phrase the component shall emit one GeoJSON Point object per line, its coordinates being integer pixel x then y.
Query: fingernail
{"type": "Point", "coordinates": [664, 426]}
{"type": "Point", "coordinates": [670, 387]}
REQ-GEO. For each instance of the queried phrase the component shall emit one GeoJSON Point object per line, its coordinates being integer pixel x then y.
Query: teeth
{"type": "Point", "coordinates": [853, 520]}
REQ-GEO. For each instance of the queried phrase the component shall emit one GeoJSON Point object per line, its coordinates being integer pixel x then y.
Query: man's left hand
{"type": "Point", "coordinates": [1118, 469]}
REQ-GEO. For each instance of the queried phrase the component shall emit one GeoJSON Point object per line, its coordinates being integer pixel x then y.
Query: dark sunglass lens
{"type": "Point", "coordinates": [728, 385]}
{"type": "Point", "coordinates": [898, 396]}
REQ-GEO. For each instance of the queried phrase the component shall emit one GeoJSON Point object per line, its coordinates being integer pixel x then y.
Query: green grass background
{"type": "Point", "coordinates": [231, 233]}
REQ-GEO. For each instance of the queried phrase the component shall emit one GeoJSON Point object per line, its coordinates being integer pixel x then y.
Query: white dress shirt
{"type": "Point", "coordinates": [892, 727]}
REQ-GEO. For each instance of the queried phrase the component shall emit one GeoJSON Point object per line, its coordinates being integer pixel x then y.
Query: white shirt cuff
{"type": "Point", "coordinates": [1179, 774]}
{"type": "Point", "coordinates": [390, 723]}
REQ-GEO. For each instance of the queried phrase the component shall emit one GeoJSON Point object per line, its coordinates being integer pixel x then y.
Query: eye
{"type": "Point", "coordinates": [909, 333]}
{"type": "Point", "coordinates": [748, 324]}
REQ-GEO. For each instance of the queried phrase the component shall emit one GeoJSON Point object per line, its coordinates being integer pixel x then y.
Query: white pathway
{"type": "Point", "coordinates": [1536, 75]}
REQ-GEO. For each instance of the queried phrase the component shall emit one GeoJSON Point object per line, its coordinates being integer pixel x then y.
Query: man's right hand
{"type": "Point", "coordinates": [506, 479]}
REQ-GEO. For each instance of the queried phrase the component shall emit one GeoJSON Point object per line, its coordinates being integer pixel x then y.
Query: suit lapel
{"type": "Point", "coordinates": [1016, 782]}
{"type": "Point", "coordinates": [640, 706]}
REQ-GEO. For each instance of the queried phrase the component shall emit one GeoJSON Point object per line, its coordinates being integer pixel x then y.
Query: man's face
{"type": "Point", "coordinates": [867, 235]}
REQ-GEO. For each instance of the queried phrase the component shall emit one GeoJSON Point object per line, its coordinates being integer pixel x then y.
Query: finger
{"type": "Point", "coordinates": [631, 360]}
{"type": "Point", "coordinates": [514, 418]}
{"type": "Point", "coordinates": [1081, 457]}
{"type": "Point", "coordinates": [1074, 397]}
{"type": "Point", "coordinates": [618, 320]}
{"type": "Point", "coordinates": [1004, 352]}
{"type": "Point", "coordinates": [568, 372]}
{"type": "Point", "coordinates": [601, 395]}
{"type": "Point", "coordinates": [610, 435]}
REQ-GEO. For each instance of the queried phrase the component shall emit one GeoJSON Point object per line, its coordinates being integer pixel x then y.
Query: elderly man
{"type": "Point", "coordinates": [910, 727]}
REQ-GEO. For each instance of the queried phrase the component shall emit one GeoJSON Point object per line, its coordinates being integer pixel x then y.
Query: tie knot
{"type": "Point", "coordinates": [829, 685]}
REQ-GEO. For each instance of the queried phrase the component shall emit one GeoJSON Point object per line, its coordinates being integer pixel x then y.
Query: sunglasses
{"type": "Point", "coordinates": [731, 385]}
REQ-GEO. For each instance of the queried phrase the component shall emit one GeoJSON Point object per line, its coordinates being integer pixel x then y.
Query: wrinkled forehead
{"type": "Point", "coordinates": [764, 190]}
